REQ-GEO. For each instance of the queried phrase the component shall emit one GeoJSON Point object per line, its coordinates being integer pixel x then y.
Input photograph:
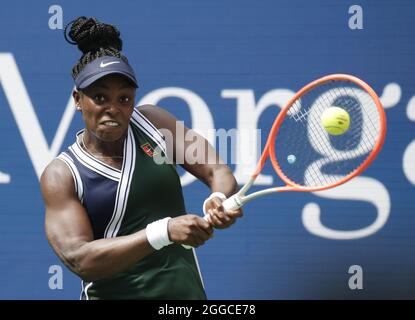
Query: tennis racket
{"type": "Point", "coordinates": [304, 154]}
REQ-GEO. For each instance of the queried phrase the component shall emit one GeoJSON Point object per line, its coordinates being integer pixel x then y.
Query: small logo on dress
{"type": "Point", "coordinates": [148, 149]}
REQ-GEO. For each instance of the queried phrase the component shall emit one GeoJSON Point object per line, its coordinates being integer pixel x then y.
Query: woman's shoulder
{"type": "Point", "coordinates": [56, 176]}
{"type": "Point", "coordinates": [158, 116]}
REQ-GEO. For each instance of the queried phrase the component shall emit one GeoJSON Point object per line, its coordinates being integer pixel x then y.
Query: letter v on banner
{"type": "Point", "coordinates": [25, 116]}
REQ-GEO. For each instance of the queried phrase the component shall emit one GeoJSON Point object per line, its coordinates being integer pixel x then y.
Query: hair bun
{"type": "Point", "coordinates": [90, 35]}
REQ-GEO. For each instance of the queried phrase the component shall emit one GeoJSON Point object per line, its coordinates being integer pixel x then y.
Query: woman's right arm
{"type": "Point", "coordinates": [69, 231]}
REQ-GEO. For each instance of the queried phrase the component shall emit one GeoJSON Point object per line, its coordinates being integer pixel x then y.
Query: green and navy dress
{"type": "Point", "coordinates": [121, 202]}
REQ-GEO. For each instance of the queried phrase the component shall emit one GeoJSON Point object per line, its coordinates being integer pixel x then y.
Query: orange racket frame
{"type": "Point", "coordinates": [239, 199]}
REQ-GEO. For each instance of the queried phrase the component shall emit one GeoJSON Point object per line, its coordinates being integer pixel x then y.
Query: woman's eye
{"type": "Point", "coordinates": [125, 100]}
{"type": "Point", "coordinates": [99, 98]}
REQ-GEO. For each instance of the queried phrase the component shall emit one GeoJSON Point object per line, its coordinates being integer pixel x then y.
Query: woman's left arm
{"type": "Point", "coordinates": [197, 156]}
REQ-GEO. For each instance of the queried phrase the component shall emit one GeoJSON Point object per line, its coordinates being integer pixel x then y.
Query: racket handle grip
{"type": "Point", "coordinates": [232, 203]}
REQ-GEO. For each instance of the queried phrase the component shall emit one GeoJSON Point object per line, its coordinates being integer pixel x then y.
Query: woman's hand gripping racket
{"type": "Point", "coordinates": [328, 133]}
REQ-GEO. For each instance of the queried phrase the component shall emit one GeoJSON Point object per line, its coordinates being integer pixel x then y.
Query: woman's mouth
{"type": "Point", "coordinates": [110, 123]}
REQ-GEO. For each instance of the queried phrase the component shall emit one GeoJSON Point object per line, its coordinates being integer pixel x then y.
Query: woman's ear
{"type": "Point", "coordinates": [77, 99]}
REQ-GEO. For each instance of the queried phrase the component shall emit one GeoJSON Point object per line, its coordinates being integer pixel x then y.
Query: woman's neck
{"type": "Point", "coordinates": [102, 149]}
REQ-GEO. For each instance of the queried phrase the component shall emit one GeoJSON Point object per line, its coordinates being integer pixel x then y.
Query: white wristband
{"type": "Point", "coordinates": [213, 195]}
{"type": "Point", "coordinates": [157, 233]}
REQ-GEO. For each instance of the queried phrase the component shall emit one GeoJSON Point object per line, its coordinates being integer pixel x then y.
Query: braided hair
{"type": "Point", "coordinates": [95, 39]}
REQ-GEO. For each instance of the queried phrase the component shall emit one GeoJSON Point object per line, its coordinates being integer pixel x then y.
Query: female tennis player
{"type": "Point", "coordinates": [115, 216]}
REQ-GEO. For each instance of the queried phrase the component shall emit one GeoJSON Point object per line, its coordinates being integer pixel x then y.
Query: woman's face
{"type": "Point", "coordinates": [106, 106]}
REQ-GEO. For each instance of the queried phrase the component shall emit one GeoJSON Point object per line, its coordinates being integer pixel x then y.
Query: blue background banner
{"type": "Point", "coordinates": [223, 64]}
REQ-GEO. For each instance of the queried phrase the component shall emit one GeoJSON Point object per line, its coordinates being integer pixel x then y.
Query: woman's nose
{"type": "Point", "coordinates": [112, 107]}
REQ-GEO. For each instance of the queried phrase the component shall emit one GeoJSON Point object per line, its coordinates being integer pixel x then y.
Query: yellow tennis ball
{"type": "Point", "coordinates": [335, 120]}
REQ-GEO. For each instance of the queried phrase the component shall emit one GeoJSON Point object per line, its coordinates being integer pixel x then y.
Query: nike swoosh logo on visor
{"type": "Point", "coordinates": [103, 65]}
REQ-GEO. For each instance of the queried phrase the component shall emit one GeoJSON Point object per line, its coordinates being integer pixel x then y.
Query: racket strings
{"type": "Point", "coordinates": [357, 103]}
{"type": "Point", "coordinates": [372, 114]}
{"type": "Point", "coordinates": [350, 103]}
{"type": "Point", "coordinates": [321, 158]}
{"type": "Point", "coordinates": [353, 102]}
